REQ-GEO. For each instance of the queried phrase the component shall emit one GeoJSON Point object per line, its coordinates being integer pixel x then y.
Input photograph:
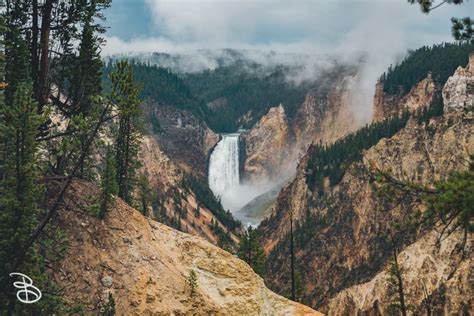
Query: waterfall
{"type": "Point", "coordinates": [224, 165]}
{"type": "Point", "coordinates": [224, 179]}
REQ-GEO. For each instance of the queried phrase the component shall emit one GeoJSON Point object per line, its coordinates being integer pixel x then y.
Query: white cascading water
{"type": "Point", "coordinates": [224, 165]}
{"type": "Point", "coordinates": [224, 179]}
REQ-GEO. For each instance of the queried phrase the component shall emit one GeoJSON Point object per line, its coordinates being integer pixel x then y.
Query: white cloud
{"type": "Point", "coordinates": [303, 32]}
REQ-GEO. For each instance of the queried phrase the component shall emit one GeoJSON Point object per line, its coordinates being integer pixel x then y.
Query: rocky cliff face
{"type": "Point", "coordinates": [349, 244]}
{"type": "Point", "coordinates": [326, 112]}
{"type": "Point", "coordinates": [274, 144]}
{"type": "Point", "coordinates": [145, 266]}
{"type": "Point", "coordinates": [183, 137]}
{"type": "Point", "coordinates": [435, 278]}
{"type": "Point", "coordinates": [386, 105]}
{"type": "Point", "coordinates": [458, 92]}
{"type": "Point", "coordinates": [268, 145]}
{"type": "Point", "coordinates": [342, 261]}
{"type": "Point", "coordinates": [175, 201]}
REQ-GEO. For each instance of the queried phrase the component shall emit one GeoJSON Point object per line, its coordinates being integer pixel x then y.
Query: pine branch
{"type": "Point", "coordinates": [61, 194]}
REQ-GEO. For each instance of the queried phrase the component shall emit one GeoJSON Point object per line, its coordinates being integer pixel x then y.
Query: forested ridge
{"type": "Point", "coordinates": [331, 161]}
{"type": "Point", "coordinates": [250, 91]}
{"type": "Point", "coordinates": [161, 85]}
{"type": "Point", "coordinates": [440, 60]}
{"type": "Point", "coordinates": [253, 90]}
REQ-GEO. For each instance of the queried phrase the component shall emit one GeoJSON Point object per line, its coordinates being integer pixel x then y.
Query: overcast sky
{"type": "Point", "coordinates": [324, 30]}
{"type": "Point", "coordinates": [166, 25]}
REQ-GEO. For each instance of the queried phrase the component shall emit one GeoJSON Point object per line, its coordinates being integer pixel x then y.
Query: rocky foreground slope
{"type": "Point", "coordinates": [145, 265]}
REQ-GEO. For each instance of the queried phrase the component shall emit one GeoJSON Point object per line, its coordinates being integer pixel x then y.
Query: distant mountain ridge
{"type": "Point", "coordinates": [245, 86]}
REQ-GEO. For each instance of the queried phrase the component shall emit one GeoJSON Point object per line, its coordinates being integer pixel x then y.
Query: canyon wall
{"type": "Point", "coordinates": [268, 146]}
{"type": "Point", "coordinates": [276, 142]}
{"type": "Point", "coordinates": [386, 105]}
{"type": "Point", "coordinates": [184, 138]}
{"type": "Point", "coordinates": [341, 259]}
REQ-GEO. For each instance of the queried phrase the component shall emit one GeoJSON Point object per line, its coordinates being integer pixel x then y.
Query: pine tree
{"type": "Point", "coordinates": [251, 252]}
{"type": "Point", "coordinates": [19, 172]}
{"type": "Point", "coordinates": [144, 194]}
{"type": "Point", "coordinates": [292, 259]}
{"type": "Point", "coordinates": [108, 182]}
{"type": "Point", "coordinates": [192, 282]}
{"type": "Point", "coordinates": [395, 280]}
{"type": "Point", "coordinates": [19, 191]}
{"type": "Point", "coordinates": [125, 94]}
{"type": "Point", "coordinates": [86, 80]}
{"type": "Point", "coordinates": [87, 74]}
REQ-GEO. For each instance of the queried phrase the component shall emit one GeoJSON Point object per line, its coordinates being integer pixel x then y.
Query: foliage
{"type": "Point", "coordinates": [441, 60]}
{"type": "Point", "coordinates": [125, 95]}
{"type": "Point", "coordinates": [87, 71]}
{"type": "Point", "coordinates": [207, 199]}
{"type": "Point", "coordinates": [161, 85]}
{"type": "Point", "coordinates": [436, 109]}
{"type": "Point", "coordinates": [461, 28]}
{"type": "Point", "coordinates": [448, 202]}
{"type": "Point", "coordinates": [20, 197]}
{"type": "Point", "coordinates": [144, 194]}
{"type": "Point", "coordinates": [192, 282]}
{"type": "Point", "coordinates": [254, 91]}
{"type": "Point", "coordinates": [108, 182]}
{"type": "Point", "coordinates": [47, 44]}
{"type": "Point", "coordinates": [332, 161]}
{"type": "Point", "coordinates": [452, 201]}
{"type": "Point", "coordinates": [109, 308]}
{"type": "Point", "coordinates": [395, 281]}
{"type": "Point", "coordinates": [251, 252]}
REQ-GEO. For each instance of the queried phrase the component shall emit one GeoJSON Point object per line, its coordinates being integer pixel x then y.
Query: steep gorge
{"type": "Point", "coordinates": [341, 236]}
{"type": "Point", "coordinates": [176, 204]}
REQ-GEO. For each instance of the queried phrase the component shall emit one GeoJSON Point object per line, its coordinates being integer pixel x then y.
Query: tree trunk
{"type": "Point", "coordinates": [398, 275]}
{"type": "Point", "coordinates": [42, 92]}
{"type": "Point", "coordinates": [34, 46]}
{"type": "Point", "coordinates": [292, 251]}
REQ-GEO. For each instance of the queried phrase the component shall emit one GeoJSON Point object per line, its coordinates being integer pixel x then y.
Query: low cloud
{"type": "Point", "coordinates": [305, 35]}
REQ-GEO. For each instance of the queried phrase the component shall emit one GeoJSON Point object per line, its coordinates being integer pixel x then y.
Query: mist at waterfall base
{"type": "Point", "coordinates": [224, 179]}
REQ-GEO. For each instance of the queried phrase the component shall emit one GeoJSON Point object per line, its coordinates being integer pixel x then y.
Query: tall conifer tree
{"type": "Point", "coordinates": [125, 94]}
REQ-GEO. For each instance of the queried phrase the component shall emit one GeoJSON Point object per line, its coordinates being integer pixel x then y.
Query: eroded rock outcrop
{"type": "Point", "coordinates": [435, 278]}
{"type": "Point", "coordinates": [386, 105]}
{"type": "Point", "coordinates": [268, 145]}
{"type": "Point", "coordinates": [458, 92]}
{"type": "Point", "coordinates": [349, 244]}
{"type": "Point", "coordinates": [184, 138]}
{"type": "Point", "coordinates": [145, 265]}
{"type": "Point", "coordinates": [326, 113]}
{"type": "Point", "coordinates": [275, 143]}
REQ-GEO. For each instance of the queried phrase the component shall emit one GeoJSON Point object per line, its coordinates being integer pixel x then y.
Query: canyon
{"type": "Point", "coordinates": [236, 158]}
{"type": "Point", "coordinates": [343, 263]}
{"type": "Point", "coordinates": [342, 231]}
